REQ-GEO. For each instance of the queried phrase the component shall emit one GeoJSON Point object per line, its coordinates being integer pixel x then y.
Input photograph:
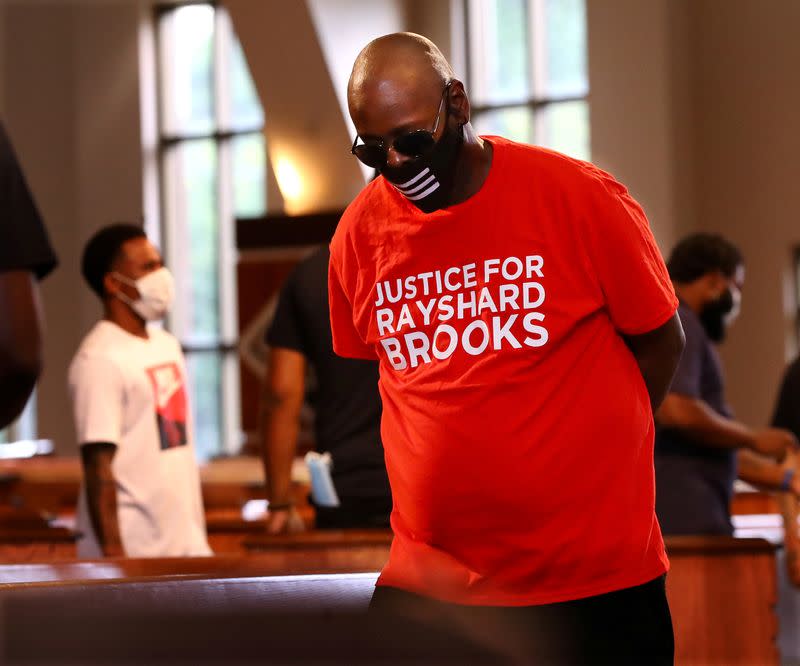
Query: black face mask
{"type": "Point", "coordinates": [427, 182]}
{"type": "Point", "coordinates": [713, 316]}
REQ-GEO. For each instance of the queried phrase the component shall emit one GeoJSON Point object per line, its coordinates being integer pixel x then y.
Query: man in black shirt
{"type": "Point", "coordinates": [25, 258]}
{"type": "Point", "coordinates": [787, 415]}
{"type": "Point", "coordinates": [787, 411]}
{"type": "Point", "coordinates": [696, 437]}
{"type": "Point", "coordinates": [346, 402]}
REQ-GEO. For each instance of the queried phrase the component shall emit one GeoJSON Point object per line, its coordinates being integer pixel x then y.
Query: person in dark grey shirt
{"type": "Point", "coordinates": [346, 403]}
{"type": "Point", "coordinates": [697, 438]}
{"type": "Point", "coordinates": [787, 409]}
{"type": "Point", "coordinates": [787, 415]}
{"type": "Point", "coordinates": [25, 258]}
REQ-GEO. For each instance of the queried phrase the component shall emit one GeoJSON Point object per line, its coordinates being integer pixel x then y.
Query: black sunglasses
{"type": "Point", "coordinates": [411, 144]}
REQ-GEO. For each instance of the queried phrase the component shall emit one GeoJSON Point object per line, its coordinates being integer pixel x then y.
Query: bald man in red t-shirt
{"type": "Point", "coordinates": [525, 327]}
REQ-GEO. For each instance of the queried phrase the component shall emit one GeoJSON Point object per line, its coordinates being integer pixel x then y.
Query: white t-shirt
{"type": "Point", "coordinates": [132, 392]}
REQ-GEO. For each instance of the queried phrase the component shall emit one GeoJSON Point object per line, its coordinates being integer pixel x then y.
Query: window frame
{"type": "Point", "coordinates": [225, 344]}
{"type": "Point", "coordinates": [535, 102]}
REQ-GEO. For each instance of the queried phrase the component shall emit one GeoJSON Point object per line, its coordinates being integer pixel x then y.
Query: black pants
{"type": "Point", "coordinates": [630, 626]}
{"type": "Point", "coordinates": [353, 513]}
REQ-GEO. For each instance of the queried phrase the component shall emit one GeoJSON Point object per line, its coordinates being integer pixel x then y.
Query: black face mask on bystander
{"type": "Point", "coordinates": [714, 315]}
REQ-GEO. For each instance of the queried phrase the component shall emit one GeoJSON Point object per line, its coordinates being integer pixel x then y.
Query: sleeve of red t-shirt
{"type": "Point", "coordinates": [626, 260]}
{"type": "Point", "coordinates": [346, 339]}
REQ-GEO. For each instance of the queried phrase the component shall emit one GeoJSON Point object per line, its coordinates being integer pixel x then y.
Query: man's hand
{"type": "Point", "coordinates": [789, 504]}
{"type": "Point", "coordinates": [284, 521]}
{"type": "Point", "coordinates": [774, 442]}
{"type": "Point", "coordinates": [792, 462]}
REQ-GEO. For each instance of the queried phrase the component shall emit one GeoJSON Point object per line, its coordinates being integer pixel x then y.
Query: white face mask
{"type": "Point", "coordinates": [156, 293]}
{"type": "Point", "coordinates": [733, 315]}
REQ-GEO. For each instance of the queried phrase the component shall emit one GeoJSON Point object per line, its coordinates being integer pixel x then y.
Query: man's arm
{"type": "Point", "coordinates": [284, 391]}
{"type": "Point", "coordinates": [20, 342]}
{"type": "Point", "coordinates": [766, 474]}
{"type": "Point", "coordinates": [790, 511]}
{"type": "Point", "coordinates": [101, 495]}
{"type": "Point", "coordinates": [769, 475]}
{"type": "Point", "coordinates": [700, 422]}
{"type": "Point", "coordinates": [657, 354]}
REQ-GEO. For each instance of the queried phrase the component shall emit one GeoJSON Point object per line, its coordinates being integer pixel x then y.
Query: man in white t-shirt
{"type": "Point", "coordinates": [141, 494]}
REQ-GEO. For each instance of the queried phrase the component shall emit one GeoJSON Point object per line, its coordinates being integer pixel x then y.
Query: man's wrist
{"type": "Point", "coordinates": [750, 439]}
{"type": "Point", "coordinates": [787, 481]}
{"type": "Point", "coordinates": [279, 506]}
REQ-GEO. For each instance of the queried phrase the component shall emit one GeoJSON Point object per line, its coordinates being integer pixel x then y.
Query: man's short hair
{"type": "Point", "coordinates": [702, 253]}
{"type": "Point", "coordinates": [102, 250]}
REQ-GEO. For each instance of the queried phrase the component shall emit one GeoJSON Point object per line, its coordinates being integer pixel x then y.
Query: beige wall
{"type": "Point", "coordinates": [71, 104]}
{"type": "Point", "coordinates": [306, 131]}
{"type": "Point", "coordinates": [344, 27]}
{"type": "Point", "coordinates": [638, 96]}
{"type": "Point", "coordinates": [695, 109]}
{"type": "Point", "coordinates": [747, 142]}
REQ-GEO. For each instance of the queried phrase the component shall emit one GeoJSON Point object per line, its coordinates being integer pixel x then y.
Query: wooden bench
{"type": "Point", "coordinates": [285, 620]}
{"type": "Point", "coordinates": [52, 483]}
{"type": "Point", "coordinates": [26, 536]}
{"type": "Point", "coordinates": [228, 531]}
{"type": "Point", "coordinates": [312, 552]}
{"type": "Point", "coordinates": [753, 502]}
{"type": "Point", "coordinates": [356, 550]}
{"type": "Point", "coordinates": [722, 592]}
{"type": "Point", "coordinates": [261, 564]}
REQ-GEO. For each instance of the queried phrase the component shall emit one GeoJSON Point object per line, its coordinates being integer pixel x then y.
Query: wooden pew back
{"type": "Point", "coordinates": [284, 620]}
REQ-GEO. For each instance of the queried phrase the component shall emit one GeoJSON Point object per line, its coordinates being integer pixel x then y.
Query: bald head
{"type": "Point", "coordinates": [402, 72]}
{"type": "Point", "coordinates": [403, 58]}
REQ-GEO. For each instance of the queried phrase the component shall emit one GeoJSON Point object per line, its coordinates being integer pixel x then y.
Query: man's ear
{"type": "Point", "coordinates": [716, 282]}
{"type": "Point", "coordinates": [110, 284]}
{"type": "Point", "coordinates": [458, 102]}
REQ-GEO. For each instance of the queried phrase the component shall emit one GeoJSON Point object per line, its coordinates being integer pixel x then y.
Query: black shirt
{"type": "Point", "coordinates": [787, 411]}
{"type": "Point", "coordinates": [694, 483]}
{"type": "Point", "coordinates": [24, 244]}
{"type": "Point", "coordinates": [346, 399]}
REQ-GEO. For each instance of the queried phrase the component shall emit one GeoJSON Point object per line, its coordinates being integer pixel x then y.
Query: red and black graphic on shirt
{"type": "Point", "coordinates": [170, 395]}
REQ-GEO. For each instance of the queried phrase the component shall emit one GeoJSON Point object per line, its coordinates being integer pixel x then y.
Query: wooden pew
{"type": "Point", "coordinates": [286, 620]}
{"type": "Point", "coordinates": [265, 564]}
{"type": "Point", "coordinates": [313, 552]}
{"type": "Point", "coordinates": [356, 550]}
{"type": "Point", "coordinates": [722, 592]}
{"type": "Point", "coordinates": [36, 545]}
{"type": "Point", "coordinates": [25, 536]}
{"type": "Point", "coordinates": [228, 531]}
{"type": "Point", "coordinates": [754, 502]}
{"type": "Point", "coordinates": [50, 485]}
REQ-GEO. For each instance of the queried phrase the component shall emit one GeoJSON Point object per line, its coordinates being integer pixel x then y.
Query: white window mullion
{"type": "Point", "coordinates": [174, 215]}
{"type": "Point", "coordinates": [537, 48]}
{"type": "Point", "coordinates": [226, 268]}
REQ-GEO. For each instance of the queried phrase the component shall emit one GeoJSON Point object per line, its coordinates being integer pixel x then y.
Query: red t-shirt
{"type": "Point", "coordinates": [516, 424]}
